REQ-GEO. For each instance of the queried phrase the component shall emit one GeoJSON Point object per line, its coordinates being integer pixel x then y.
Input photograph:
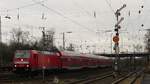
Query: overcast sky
{"type": "Point", "coordinates": [78, 16]}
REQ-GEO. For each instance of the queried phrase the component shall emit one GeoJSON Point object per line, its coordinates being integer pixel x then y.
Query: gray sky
{"type": "Point", "coordinates": [78, 16]}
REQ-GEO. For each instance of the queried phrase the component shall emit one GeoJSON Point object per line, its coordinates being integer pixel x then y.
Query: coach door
{"type": "Point", "coordinates": [35, 60]}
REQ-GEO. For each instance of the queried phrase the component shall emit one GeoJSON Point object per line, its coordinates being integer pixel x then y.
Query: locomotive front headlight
{"type": "Point", "coordinates": [15, 65]}
{"type": "Point", "coordinates": [27, 65]}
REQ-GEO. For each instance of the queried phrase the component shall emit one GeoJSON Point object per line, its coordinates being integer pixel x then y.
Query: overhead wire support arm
{"type": "Point", "coordinates": [118, 10]}
{"type": "Point", "coordinates": [122, 18]}
{"type": "Point", "coordinates": [117, 13]}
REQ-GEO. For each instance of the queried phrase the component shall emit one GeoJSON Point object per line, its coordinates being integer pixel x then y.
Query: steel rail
{"type": "Point", "coordinates": [92, 79]}
{"type": "Point", "coordinates": [123, 78]}
{"type": "Point", "coordinates": [137, 75]}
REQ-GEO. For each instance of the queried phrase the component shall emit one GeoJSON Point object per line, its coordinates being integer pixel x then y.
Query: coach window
{"type": "Point", "coordinates": [45, 53]}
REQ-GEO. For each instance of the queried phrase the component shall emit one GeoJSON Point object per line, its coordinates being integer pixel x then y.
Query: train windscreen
{"type": "Point", "coordinates": [22, 54]}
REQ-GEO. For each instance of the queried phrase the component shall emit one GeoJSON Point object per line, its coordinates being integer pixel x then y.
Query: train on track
{"type": "Point", "coordinates": [34, 60]}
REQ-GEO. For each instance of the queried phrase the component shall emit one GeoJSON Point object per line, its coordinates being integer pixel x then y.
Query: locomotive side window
{"type": "Point", "coordinates": [22, 54]}
{"type": "Point", "coordinates": [45, 53]}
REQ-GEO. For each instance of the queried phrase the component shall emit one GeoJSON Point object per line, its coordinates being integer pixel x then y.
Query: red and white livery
{"type": "Point", "coordinates": [37, 60]}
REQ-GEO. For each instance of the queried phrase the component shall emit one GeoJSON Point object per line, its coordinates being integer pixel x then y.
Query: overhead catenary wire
{"type": "Point", "coordinates": [39, 2]}
{"type": "Point", "coordinates": [139, 15]}
{"type": "Point", "coordinates": [76, 4]}
{"type": "Point", "coordinates": [109, 4]}
{"type": "Point", "coordinates": [142, 12]}
{"type": "Point", "coordinates": [121, 1]}
{"type": "Point", "coordinates": [55, 12]}
{"type": "Point", "coordinates": [93, 14]}
{"type": "Point", "coordinates": [60, 14]}
{"type": "Point", "coordinates": [21, 7]}
{"type": "Point", "coordinates": [139, 3]}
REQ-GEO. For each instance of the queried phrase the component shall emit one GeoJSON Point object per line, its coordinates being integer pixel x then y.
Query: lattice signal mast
{"type": "Point", "coordinates": [116, 37]}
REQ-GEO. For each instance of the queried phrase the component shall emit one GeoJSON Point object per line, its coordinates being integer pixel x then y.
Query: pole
{"type": "Point", "coordinates": [64, 40]}
{"type": "Point", "coordinates": [117, 47]}
{"type": "Point", "coordinates": [44, 39]}
{"type": "Point", "coordinates": [117, 27]}
{"type": "Point", "coordinates": [111, 41]}
{"type": "Point", "coordinates": [1, 63]}
{"type": "Point", "coordinates": [0, 30]}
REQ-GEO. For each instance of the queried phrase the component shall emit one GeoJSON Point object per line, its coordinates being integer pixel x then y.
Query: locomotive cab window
{"type": "Point", "coordinates": [22, 54]}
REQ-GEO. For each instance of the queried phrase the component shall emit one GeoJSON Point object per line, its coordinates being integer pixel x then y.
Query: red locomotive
{"type": "Point", "coordinates": [33, 60]}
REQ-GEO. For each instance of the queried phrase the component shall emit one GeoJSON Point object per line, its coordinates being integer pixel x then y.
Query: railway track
{"type": "Point", "coordinates": [130, 78]}
{"type": "Point", "coordinates": [6, 77]}
{"type": "Point", "coordinates": [63, 76]}
{"type": "Point", "coordinates": [3, 69]}
{"type": "Point", "coordinates": [93, 78]}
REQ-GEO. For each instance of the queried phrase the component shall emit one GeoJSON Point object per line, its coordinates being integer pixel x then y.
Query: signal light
{"type": "Point", "coordinates": [15, 65]}
{"type": "Point", "coordinates": [27, 65]}
{"type": "Point", "coordinates": [116, 30]}
{"type": "Point", "coordinates": [117, 34]}
{"type": "Point", "coordinates": [142, 6]}
{"type": "Point", "coordinates": [142, 25]}
{"type": "Point", "coordinates": [139, 11]}
{"type": "Point", "coordinates": [119, 14]}
{"type": "Point", "coordinates": [119, 26]}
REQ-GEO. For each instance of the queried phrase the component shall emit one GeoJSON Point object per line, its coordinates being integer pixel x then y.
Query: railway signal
{"type": "Point", "coordinates": [116, 37]}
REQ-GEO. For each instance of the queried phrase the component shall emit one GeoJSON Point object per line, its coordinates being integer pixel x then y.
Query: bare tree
{"type": "Point", "coordinates": [71, 47]}
{"type": "Point", "coordinates": [47, 40]}
{"type": "Point", "coordinates": [137, 48]}
{"type": "Point", "coordinates": [147, 41]}
{"type": "Point", "coordinates": [20, 36]}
